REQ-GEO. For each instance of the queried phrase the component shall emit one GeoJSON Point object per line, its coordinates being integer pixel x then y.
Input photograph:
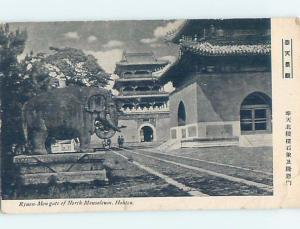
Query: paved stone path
{"type": "Point", "coordinates": [191, 191]}
{"type": "Point", "coordinates": [208, 162]}
{"type": "Point", "coordinates": [200, 177]}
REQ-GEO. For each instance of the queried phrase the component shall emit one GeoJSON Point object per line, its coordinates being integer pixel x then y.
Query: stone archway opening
{"type": "Point", "coordinates": [146, 134]}
{"type": "Point", "coordinates": [255, 114]}
{"type": "Point", "coordinates": [181, 114]}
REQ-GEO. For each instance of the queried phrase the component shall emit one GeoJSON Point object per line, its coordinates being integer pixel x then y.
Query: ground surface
{"type": "Point", "coordinates": [256, 158]}
{"type": "Point", "coordinates": [218, 171]}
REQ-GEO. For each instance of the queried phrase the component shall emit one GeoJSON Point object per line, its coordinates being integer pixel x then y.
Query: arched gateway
{"type": "Point", "coordinates": [255, 113]}
{"type": "Point", "coordinates": [147, 133]}
{"type": "Point", "coordinates": [181, 114]}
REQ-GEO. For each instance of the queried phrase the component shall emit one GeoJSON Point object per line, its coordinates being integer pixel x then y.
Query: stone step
{"type": "Point", "coordinates": [208, 142]}
{"type": "Point", "coordinates": [255, 140]}
{"type": "Point", "coordinates": [169, 145]}
{"type": "Point", "coordinates": [60, 168]}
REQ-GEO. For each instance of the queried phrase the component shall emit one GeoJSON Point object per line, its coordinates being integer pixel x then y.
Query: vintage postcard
{"type": "Point", "coordinates": [150, 115]}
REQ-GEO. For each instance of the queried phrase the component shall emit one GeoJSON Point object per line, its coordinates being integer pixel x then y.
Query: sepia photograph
{"type": "Point", "coordinates": [149, 108]}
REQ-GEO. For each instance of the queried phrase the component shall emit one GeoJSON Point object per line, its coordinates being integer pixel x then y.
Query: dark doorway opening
{"type": "Point", "coordinates": [181, 114]}
{"type": "Point", "coordinates": [146, 134]}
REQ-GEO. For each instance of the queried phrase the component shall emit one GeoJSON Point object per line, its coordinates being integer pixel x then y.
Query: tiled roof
{"type": "Point", "coordinates": [136, 79]}
{"type": "Point", "coordinates": [208, 49]}
{"type": "Point", "coordinates": [140, 58]}
{"type": "Point", "coordinates": [172, 34]}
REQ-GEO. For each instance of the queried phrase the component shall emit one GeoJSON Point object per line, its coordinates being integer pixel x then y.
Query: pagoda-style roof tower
{"type": "Point", "coordinates": [219, 46]}
{"type": "Point", "coordinates": [139, 61]}
{"type": "Point", "coordinates": [222, 80]}
{"type": "Point", "coordinates": [139, 89]}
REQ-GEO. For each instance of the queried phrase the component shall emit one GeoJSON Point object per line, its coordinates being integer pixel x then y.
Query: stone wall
{"type": "Point", "coordinates": [212, 104]}
{"type": "Point", "coordinates": [217, 97]}
{"type": "Point", "coordinates": [162, 129]}
{"type": "Point", "coordinates": [220, 96]}
{"type": "Point", "coordinates": [187, 95]}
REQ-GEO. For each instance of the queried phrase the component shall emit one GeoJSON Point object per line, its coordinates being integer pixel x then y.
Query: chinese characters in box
{"type": "Point", "coordinates": [287, 58]}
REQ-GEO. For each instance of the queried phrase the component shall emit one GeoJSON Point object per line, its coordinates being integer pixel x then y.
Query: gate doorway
{"type": "Point", "coordinates": [146, 134]}
{"type": "Point", "coordinates": [181, 115]}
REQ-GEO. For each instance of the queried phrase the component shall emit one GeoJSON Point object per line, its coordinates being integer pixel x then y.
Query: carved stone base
{"type": "Point", "coordinates": [209, 142]}
{"type": "Point", "coordinates": [60, 168]}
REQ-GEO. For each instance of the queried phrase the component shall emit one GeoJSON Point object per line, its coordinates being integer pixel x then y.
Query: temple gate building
{"type": "Point", "coordinates": [223, 83]}
{"type": "Point", "coordinates": [142, 98]}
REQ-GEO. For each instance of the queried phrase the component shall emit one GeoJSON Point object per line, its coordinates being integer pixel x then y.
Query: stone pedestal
{"type": "Point", "coordinates": [60, 168]}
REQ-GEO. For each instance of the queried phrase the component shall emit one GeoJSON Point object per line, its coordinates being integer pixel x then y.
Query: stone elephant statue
{"type": "Point", "coordinates": [66, 113]}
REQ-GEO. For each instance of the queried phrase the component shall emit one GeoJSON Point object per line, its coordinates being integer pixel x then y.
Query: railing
{"type": "Point", "coordinates": [164, 108]}
{"type": "Point", "coordinates": [154, 92]}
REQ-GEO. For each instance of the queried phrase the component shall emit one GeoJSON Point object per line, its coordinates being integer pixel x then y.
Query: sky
{"type": "Point", "coordinates": [106, 40]}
